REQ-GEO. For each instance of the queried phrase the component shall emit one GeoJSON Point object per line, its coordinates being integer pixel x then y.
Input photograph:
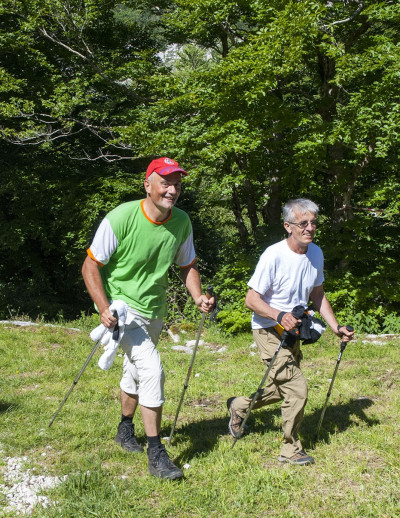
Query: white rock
{"type": "Point", "coordinates": [192, 343]}
{"type": "Point", "coordinates": [23, 323]}
{"type": "Point", "coordinates": [174, 336]}
{"type": "Point", "coordinates": [182, 348]}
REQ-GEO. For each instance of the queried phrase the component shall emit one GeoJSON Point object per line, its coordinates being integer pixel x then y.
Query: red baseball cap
{"type": "Point", "coordinates": [164, 166]}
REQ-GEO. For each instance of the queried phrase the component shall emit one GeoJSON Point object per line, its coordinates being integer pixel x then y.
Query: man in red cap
{"type": "Point", "coordinates": [128, 260]}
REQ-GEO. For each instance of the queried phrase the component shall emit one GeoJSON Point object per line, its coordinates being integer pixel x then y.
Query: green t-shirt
{"type": "Point", "coordinates": [137, 253]}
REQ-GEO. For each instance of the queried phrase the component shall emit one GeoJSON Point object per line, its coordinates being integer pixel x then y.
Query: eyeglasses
{"type": "Point", "coordinates": [304, 224]}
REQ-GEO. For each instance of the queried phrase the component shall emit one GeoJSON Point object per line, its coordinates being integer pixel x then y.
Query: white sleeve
{"type": "Point", "coordinates": [104, 242]}
{"type": "Point", "coordinates": [321, 277]}
{"type": "Point", "coordinates": [186, 253]}
{"type": "Point", "coordinates": [318, 260]}
{"type": "Point", "coordinates": [262, 277]}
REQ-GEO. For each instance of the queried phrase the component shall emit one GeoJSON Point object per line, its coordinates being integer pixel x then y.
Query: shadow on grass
{"type": "Point", "coordinates": [337, 419]}
{"type": "Point", "coordinates": [204, 435]}
{"type": "Point", "coordinates": [5, 407]}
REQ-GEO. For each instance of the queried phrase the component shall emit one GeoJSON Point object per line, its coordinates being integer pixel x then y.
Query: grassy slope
{"type": "Point", "coordinates": [357, 460]}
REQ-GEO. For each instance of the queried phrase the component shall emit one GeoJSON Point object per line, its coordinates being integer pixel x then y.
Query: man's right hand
{"type": "Point", "coordinates": [107, 319]}
{"type": "Point", "coordinates": [289, 322]}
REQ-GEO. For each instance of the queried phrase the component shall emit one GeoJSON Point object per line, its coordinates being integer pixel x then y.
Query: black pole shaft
{"type": "Point", "coordinates": [185, 385]}
{"type": "Point", "coordinates": [115, 337]}
{"type": "Point", "coordinates": [342, 348]}
{"type": "Point", "coordinates": [330, 389]}
{"type": "Point", "coordinates": [76, 380]}
{"type": "Point", "coordinates": [258, 393]}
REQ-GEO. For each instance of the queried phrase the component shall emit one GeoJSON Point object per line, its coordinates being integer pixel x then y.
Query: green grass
{"type": "Point", "coordinates": [357, 467]}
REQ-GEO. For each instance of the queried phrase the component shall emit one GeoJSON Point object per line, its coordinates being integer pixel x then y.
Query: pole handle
{"type": "Point", "coordinates": [209, 292]}
{"type": "Point", "coordinates": [343, 343]}
{"type": "Point", "coordinates": [115, 334]}
{"type": "Point", "coordinates": [349, 328]}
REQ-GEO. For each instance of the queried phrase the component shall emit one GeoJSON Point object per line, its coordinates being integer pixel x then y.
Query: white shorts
{"type": "Point", "coordinates": [143, 374]}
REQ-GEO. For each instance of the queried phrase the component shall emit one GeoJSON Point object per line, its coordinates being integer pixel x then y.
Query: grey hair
{"type": "Point", "coordinates": [300, 205]}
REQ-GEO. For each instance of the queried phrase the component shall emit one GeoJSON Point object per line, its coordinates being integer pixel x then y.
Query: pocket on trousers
{"type": "Point", "coordinates": [285, 370]}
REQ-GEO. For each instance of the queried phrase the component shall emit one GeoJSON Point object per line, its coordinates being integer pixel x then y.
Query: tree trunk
{"type": "Point", "coordinates": [237, 211]}
{"type": "Point", "coordinates": [271, 211]}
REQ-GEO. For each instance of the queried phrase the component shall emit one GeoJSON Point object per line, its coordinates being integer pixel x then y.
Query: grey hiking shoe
{"type": "Point", "coordinates": [235, 421]}
{"type": "Point", "coordinates": [160, 465]}
{"type": "Point", "coordinates": [126, 438]}
{"type": "Point", "coordinates": [301, 458]}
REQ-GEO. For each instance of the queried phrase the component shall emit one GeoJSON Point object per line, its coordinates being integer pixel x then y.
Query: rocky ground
{"type": "Point", "coordinates": [21, 489]}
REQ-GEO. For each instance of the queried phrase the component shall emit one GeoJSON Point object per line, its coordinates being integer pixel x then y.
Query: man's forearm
{"type": "Point", "coordinates": [258, 305]}
{"type": "Point", "coordinates": [323, 306]}
{"type": "Point", "coordinates": [327, 314]}
{"type": "Point", "coordinates": [94, 284]}
{"type": "Point", "coordinates": [191, 278]}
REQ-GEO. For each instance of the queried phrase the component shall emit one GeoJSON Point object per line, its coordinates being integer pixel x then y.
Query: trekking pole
{"type": "Point", "coordinates": [258, 393]}
{"type": "Point", "coordinates": [342, 348]}
{"type": "Point", "coordinates": [115, 337]}
{"type": "Point", "coordinates": [185, 385]}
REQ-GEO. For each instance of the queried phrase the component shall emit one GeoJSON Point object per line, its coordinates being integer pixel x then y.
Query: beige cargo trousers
{"type": "Point", "coordinates": [285, 382]}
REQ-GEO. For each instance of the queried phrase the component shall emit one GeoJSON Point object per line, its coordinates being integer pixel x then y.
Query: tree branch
{"type": "Point", "coordinates": [47, 132]}
{"type": "Point", "coordinates": [107, 157]}
{"type": "Point", "coordinates": [89, 59]}
{"type": "Point", "coordinates": [58, 42]}
{"type": "Point", "coordinates": [351, 17]}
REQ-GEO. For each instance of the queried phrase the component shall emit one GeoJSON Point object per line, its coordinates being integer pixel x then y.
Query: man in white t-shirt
{"type": "Point", "coordinates": [128, 260]}
{"type": "Point", "coordinates": [288, 274]}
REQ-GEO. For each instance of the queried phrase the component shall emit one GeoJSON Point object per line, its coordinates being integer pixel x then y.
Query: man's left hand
{"type": "Point", "coordinates": [345, 334]}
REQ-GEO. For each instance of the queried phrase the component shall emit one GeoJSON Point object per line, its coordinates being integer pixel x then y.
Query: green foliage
{"type": "Point", "coordinates": [234, 319]}
{"type": "Point", "coordinates": [391, 323]}
{"type": "Point", "coordinates": [261, 101]}
{"type": "Point", "coordinates": [66, 66]}
{"type": "Point", "coordinates": [230, 284]}
{"type": "Point", "coordinates": [181, 307]}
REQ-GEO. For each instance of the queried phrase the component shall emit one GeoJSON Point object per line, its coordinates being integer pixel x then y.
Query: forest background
{"type": "Point", "coordinates": [260, 100]}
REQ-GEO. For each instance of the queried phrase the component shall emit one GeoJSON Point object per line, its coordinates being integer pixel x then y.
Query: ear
{"type": "Point", "coordinates": [146, 184]}
{"type": "Point", "coordinates": [287, 227]}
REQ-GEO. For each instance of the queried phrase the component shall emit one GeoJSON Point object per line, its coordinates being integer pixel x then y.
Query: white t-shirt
{"type": "Point", "coordinates": [285, 279]}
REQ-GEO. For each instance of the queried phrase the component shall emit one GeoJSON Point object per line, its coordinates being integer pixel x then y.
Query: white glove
{"type": "Point", "coordinates": [106, 335]}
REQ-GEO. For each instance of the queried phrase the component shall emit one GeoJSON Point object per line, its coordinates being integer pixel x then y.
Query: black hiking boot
{"type": "Point", "coordinates": [160, 465]}
{"type": "Point", "coordinates": [126, 437]}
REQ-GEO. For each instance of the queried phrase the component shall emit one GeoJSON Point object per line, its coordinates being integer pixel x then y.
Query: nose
{"type": "Point", "coordinates": [173, 189]}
